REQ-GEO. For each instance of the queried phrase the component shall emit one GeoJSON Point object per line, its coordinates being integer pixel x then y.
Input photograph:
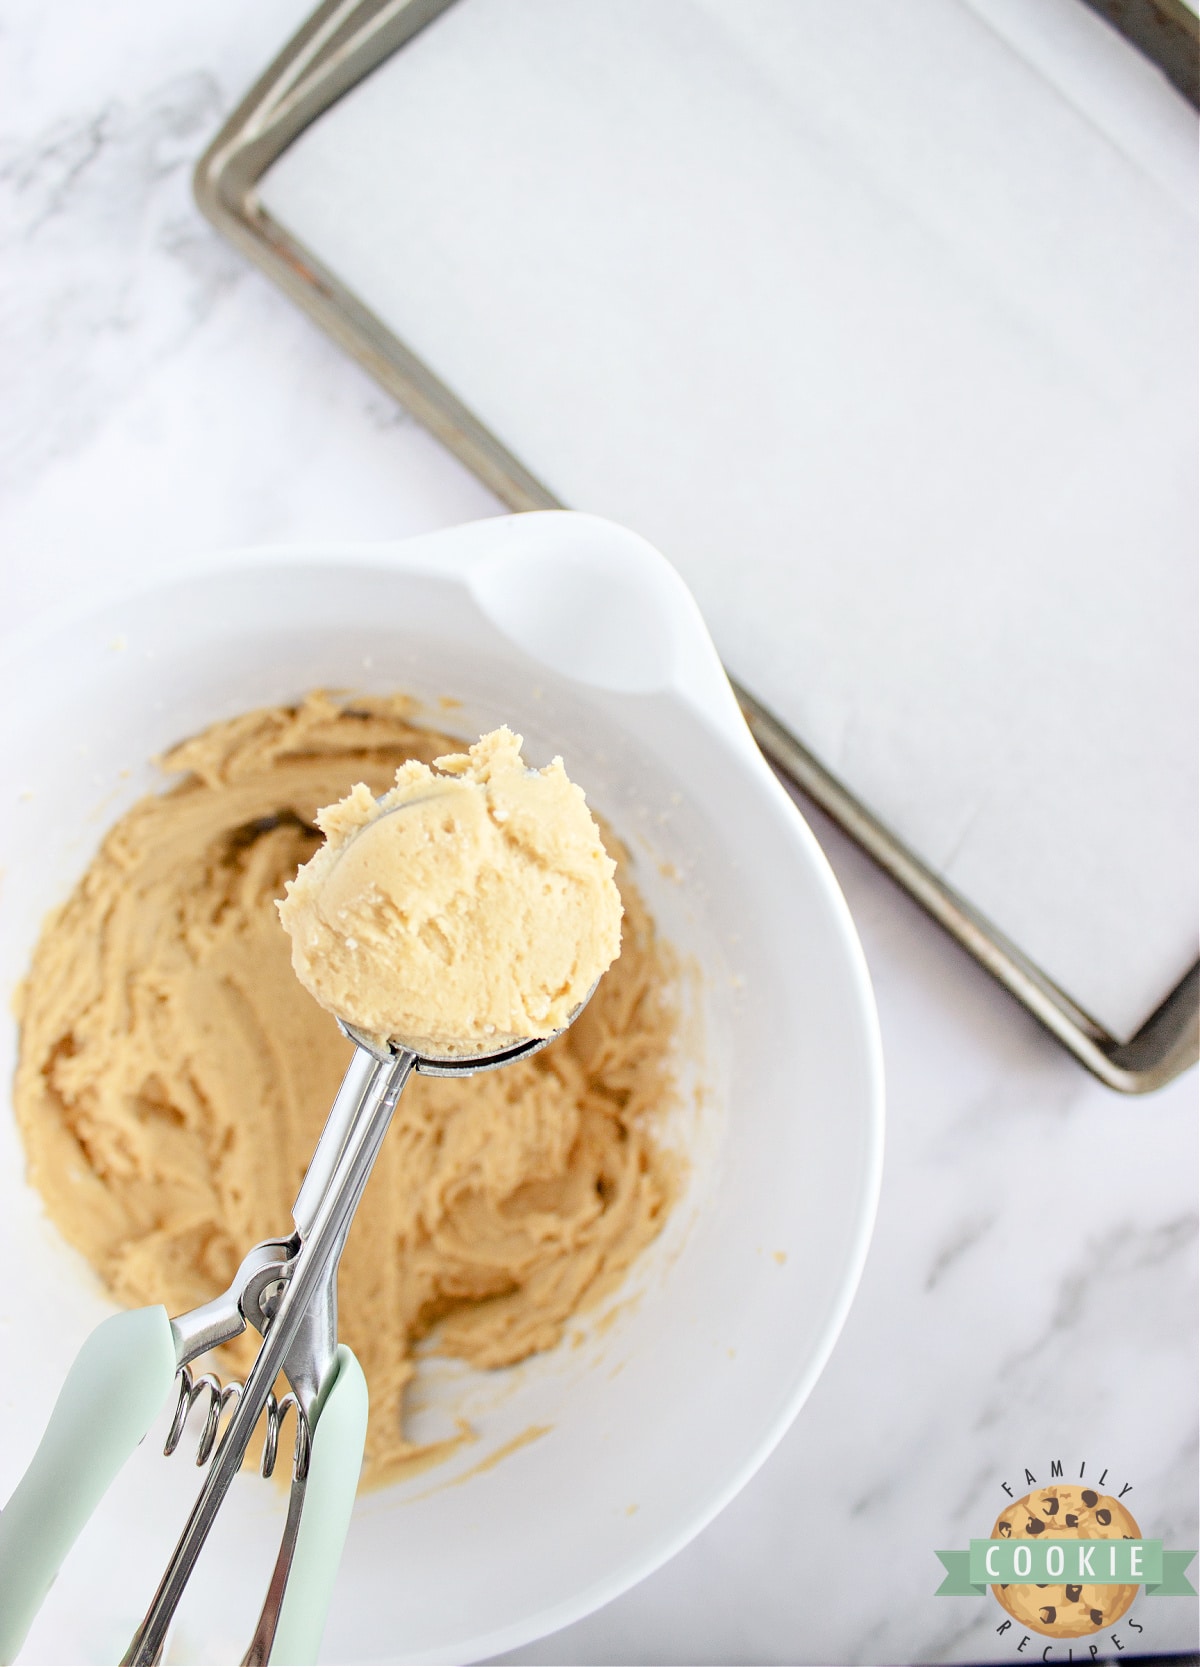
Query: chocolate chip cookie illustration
{"type": "Point", "coordinates": [1066, 1513]}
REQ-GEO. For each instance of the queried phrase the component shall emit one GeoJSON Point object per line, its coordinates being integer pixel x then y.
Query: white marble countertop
{"type": "Point", "coordinates": [1030, 1295]}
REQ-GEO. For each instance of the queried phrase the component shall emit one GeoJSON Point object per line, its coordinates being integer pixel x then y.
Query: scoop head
{"type": "Point", "coordinates": [461, 1064]}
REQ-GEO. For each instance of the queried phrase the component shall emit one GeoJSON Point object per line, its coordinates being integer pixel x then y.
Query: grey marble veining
{"type": "Point", "coordinates": [94, 205]}
{"type": "Point", "coordinates": [1031, 1289]}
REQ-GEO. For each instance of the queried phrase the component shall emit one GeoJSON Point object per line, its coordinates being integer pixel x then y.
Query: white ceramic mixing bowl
{"type": "Point", "coordinates": [611, 1451]}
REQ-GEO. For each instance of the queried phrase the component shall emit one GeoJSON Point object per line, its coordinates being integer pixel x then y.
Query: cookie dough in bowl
{"type": "Point", "coordinates": [174, 1075]}
{"type": "Point", "coordinates": [587, 1463]}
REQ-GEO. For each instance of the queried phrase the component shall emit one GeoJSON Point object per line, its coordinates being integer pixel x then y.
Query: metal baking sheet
{"type": "Point", "coordinates": [340, 45]}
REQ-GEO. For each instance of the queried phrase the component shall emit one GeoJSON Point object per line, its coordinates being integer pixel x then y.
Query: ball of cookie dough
{"type": "Point", "coordinates": [1066, 1513]}
{"type": "Point", "coordinates": [471, 907]}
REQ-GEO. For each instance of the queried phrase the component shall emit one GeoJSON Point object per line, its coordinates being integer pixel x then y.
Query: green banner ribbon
{"type": "Point", "coordinates": [1052, 1561]}
{"type": "Point", "coordinates": [1174, 1582]}
{"type": "Point", "coordinates": [957, 1583]}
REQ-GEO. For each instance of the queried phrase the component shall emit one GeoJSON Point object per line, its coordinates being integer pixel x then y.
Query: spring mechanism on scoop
{"type": "Point", "coordinates": [220, 1397]}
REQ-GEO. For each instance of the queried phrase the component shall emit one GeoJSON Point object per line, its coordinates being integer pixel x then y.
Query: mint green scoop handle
{"type": "Point", "coordinates": [333, 1470]}
{"type": "Point", "coordinates": [120, 1380]}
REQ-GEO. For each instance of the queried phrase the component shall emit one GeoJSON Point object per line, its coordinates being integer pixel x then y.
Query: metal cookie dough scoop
{"type": "Point", "coordinates": [286, 1289]}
